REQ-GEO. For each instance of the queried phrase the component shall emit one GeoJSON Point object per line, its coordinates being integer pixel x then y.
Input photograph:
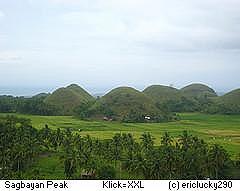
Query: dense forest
{"type": "Point", "coordinates": [33, 105]}
{"type": "Point", "coordinates": [183, 157]}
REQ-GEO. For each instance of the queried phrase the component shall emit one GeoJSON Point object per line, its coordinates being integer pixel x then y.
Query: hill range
{"type": "Point", "coordinates": [155, 100]}
{"type": "Point", "coordinates": [154, 103]}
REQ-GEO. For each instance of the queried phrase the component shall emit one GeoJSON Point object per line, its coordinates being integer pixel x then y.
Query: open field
{"type": "Point", "coordinates": [221, 129]}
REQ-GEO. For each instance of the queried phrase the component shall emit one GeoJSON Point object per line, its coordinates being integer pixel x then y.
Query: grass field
{"type": "Point", "coordinates": [221, 129]}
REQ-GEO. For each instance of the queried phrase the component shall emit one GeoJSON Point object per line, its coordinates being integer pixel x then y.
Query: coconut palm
{"type": "Point", "coordinates": [219, 158]}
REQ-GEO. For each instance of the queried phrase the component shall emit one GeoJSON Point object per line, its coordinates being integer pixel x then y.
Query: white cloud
{"type": "Point", "coordinates": [67, 1]}
{"type": "Point", "coordinates": [9, 56]}
{"type": "Point", "coordinates": [96, 24]}
{"type": "Point", "coordinates": [3, 37]}
{"type": "Point", "coordinates": [116, 38]}
{"type": "Point", "coordinates": [1, 14]}
{"type": "Point", "coordinates": [81, 4]}
{"type": "Point", "coordinates": [170, 25]}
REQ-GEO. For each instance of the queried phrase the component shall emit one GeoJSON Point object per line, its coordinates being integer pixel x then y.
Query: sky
{"type": "Point", "coordinates": [102, 44]}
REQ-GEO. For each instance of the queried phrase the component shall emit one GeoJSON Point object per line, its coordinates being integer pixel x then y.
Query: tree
{"type": "Point", "coordinates": [219, 159]}
{"type": "Point", "coordinates": [166, 139]}
{"type": "Point", "coordinates": [147, 142]}
{"type": "Point", "coordinates": [106, 172]}
{"type": "Point", "coordinates": [70, 165]}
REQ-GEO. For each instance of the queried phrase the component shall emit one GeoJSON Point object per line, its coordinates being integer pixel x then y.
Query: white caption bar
{"type": "Point", "coordinates": [121, 185]}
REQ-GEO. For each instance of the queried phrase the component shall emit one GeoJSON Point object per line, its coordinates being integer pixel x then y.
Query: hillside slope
{"type": "Point", "coordinates": [160, 93]}
{"type": "Point", "coordinates": [227, 104]}
{"type": "Point", "coordinates": [127, 104]}
{"type": "Point", "coordinates": [68, 98]}
{"type": "Point", "coordinates": [198, 90]}
{"type": "Point", "coordinates": [232, 97]}
{"type": "Point", "coordinates": [193, 97]}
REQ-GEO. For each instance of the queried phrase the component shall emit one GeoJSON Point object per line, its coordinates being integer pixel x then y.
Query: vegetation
{"type": "Point", "coordinates": [198, 91]}
{"type": "Point", "coordinates": [8, 104]}
{"type": "Point", "coordinates": [194, 98]}
{"type": "Point", "coordinates": [162, 94]}
{"type": "Point", "coordinates": [34, 105]}
{"type": "Point", "coordinates": [155, 104]}
{"type": "Point", "coordinates": [19, 144]}
{"type": "Point", "coordinates": [214, 129]}
{"type": "Point", "coordinates": [226, 104]}
{"type": "Point", "coordinates": [128, 105]}
{"type": "Point", "coordinates": [67, 99]}
{"type": "Point", "coordinates": [187, 157]}
{"type": "Point", "coordinates": [191, 146]}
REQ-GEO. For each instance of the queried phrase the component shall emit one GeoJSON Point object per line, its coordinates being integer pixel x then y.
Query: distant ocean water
{"type": "Point", "coordinates": [31, 91]}
{"type": "Point", "coordinates": [24, 91]}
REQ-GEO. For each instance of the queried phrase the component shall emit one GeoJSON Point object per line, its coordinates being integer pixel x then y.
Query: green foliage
{"type": "Point", "coordinates": [82, 111]}
{"type": "Point", "coordinates": [128, 105]}
{"type": "Point", "coordinates": [183, 157]}
{"type": "Point", "coordinates": [70, 166]}
{"type": "Point", "coordinates": [218, 160]}
{"type": "Point", "coordinates": [133, 117]}
{"type": "Point", "coordinates": [198, 91]}
{"type": "Point", "coordinates": [8, 104]}
{"type": "Point", "coordinates": [194, 97]}
{"type": "Point", "coordinates": [106, 172]}
{"type": "Point", "coordinates": [34, 105]}
{"type": "Point", "coordinates": [226, 104]}
{"type": "Point", "coordinates": [162, 94]}
{"type": "Point", "coordinates": [69, 98]}
{"type": "Point", "coordinates": [18, 146]}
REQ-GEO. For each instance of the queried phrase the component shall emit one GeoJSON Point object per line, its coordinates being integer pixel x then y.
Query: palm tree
{"type": "Point", "coordinates": [70, 165]}
{"type": "Point", "coordinates": [185, 140]}
{"type": "Point", "coordinates": [218, 157]}
{"type": "Point", "coordinates": [166, 139]}
{"type": "Point", "coordinates": [116, 147]}
{"type": "Point", "coordinates": [140, 165]}
{"type": "Point", "coordinates": [56, 138]}
{"type": "Point", "coordinates": [147, 143]}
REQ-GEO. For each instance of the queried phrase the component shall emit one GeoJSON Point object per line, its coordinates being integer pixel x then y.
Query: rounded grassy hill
{"type": "Point", "coordinates": [127, 104]}
{"type": "Point", "coordinates": [198, 90]}
{"type": "Point", "coordinates": [66, 99]}
{"type": "Point", "coordinates": [160, 93]}
{"type": "Point", "coordinates": [227, 104]}
{"type": "Point", "coordinates": [232, 97]}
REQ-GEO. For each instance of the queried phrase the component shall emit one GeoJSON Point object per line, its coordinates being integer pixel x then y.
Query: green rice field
{"type": "Point", "coordinates": [221, 129]}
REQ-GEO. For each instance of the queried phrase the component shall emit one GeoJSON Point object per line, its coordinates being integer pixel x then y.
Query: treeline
{"type": "Point", "coordinates": [37, 105]}
{"type": "Point", "coordinates": [184, 157]}
{"type": "Point", "coordinates": [199, 104]}
{"type": "Point", "coordinates": [187, 158]}
{"type": "Point", "coordinates": [33, 105]}
{"type": "Point", "coordinates": [186, 104]}
{"type": "Point", "coordinates": [169, 109]}
{"type": "Point", "coordinates": [19, 145]}
{"type": "Point", "coordinates": [86, 111]}
{"type": "Point", "coordinates": [222, 108]}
